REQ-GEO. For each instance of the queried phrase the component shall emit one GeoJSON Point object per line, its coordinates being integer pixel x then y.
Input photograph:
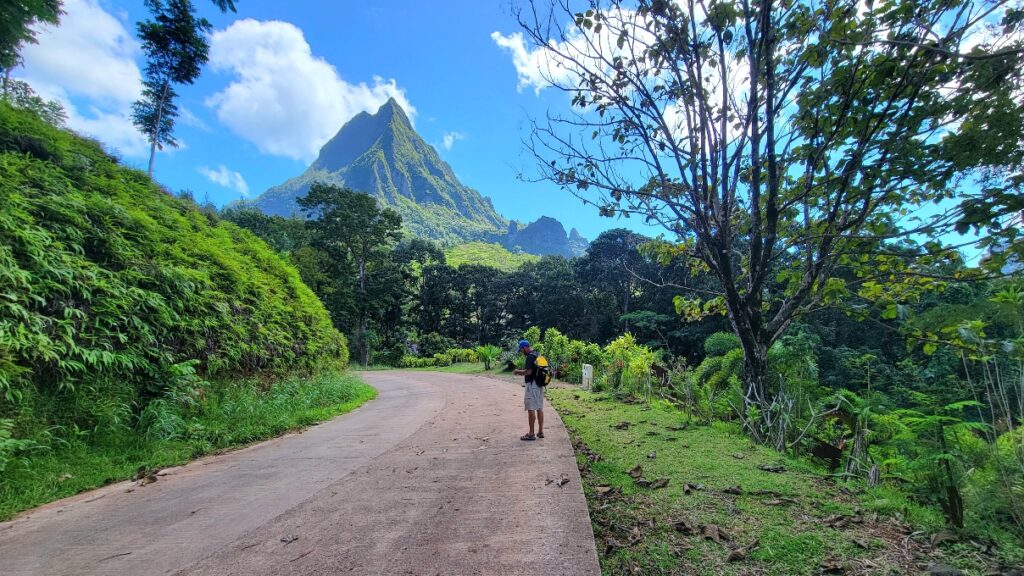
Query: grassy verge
{"type": "Point", "coordinates": [736, 517]}
{"type": "Point", "coordinates": [229, 416]}
{"type": "Point", "coordinates": [459, 368]}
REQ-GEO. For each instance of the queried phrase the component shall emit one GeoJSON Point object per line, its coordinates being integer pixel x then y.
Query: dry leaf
{"type": "Point", "coordinates": [686, 527]}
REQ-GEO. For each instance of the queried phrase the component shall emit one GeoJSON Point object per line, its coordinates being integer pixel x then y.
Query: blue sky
{"type": "Point", "coordinates": [284, 76]}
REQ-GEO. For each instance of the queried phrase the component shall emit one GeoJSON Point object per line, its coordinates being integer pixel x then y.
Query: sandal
{"type": "Point", "coordinates": [527, 437]}
{"type": "Point", "coordinates": [540, 435]}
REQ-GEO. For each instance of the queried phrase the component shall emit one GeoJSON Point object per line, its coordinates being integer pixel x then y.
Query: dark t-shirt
{"type": "Point", "coordinates": [531, 364]}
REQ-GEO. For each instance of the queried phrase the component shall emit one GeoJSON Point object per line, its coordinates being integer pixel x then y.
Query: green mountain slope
{"type": "Point", "coordinates": [114, 294]}
{"type": "Point", "coordinates": [381, 154]}
{"type": "Point", "coordinates": [487, 254]}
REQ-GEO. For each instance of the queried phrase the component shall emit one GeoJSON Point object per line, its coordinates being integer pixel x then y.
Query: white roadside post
{"type": "Point", "coordinates": [588, 376]}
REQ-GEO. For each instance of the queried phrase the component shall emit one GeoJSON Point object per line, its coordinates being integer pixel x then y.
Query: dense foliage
{"type": "Point", "coordinates": [794, 151]}
{"type": "Point", "coordinates": [115, 296]}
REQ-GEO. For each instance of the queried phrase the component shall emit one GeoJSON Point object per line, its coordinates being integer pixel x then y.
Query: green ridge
{"type": "Point", "coordinates": [487, 254]}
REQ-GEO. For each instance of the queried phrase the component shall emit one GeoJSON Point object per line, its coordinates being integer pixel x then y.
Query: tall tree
{"type": "Point", "coordinates": [776, 141]}
{"type": "Point", "coordinates": [17, 21]}
{"type": "Point", "coordinates": [614, 264]}
{"type": "Point", "coordinates": [350, 226]}
{"type": "Point", "coordinates": [176, 48]}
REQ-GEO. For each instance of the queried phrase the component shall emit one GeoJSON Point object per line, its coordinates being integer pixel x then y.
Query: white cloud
{"type": "Point", "coordinates": [226, 178]}
{"type": "Point", "coordinates": [564, 58]}
{"type": "Point", "coordinates": [533, 67]}
{"type": "Point", "coordinates": [189, 119]}
{"type": "Point", "coordinates": [285, 100]}
{"type": "Point", "coordinates": [451, 137]}
{"type": "Point", "coordinates": [89, 60]}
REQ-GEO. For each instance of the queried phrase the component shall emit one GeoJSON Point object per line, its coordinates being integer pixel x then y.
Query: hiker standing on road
{"type": "Point", "coordinates": [534, 398]}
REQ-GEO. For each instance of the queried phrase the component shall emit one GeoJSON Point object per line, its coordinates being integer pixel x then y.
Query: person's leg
{"type": "Point", "coordinates": [540, 423]}
{"type": "Point", "coordinates": [532, 417]}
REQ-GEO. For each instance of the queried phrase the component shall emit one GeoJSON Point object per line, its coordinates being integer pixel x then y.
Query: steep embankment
{"type": "Point", "coordinates": [126, 313]}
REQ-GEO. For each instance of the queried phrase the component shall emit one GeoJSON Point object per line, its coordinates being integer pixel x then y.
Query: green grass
{"type": "Point", "coordinates": [485, 254]}
{"type": "Point", "coordinates": [636, 531]}
{"type": "Point", "coordinates": [231, 415]}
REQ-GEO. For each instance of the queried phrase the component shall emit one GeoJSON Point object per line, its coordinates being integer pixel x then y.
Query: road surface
{"type": "Point", "coordinates": [428, 479]}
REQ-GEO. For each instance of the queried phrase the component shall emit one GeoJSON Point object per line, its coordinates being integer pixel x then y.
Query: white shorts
{"type": "Point", "coordinates": [534, 398]}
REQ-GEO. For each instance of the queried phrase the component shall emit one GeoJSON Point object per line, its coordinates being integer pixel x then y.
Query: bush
{"type": "Point", "coordinates": [720, 343]}
{"type": "Point", "coordinates": [442, 360]}
{"type": "Point", "coordinates": [458, 355]}
{"type": "Point", "coordinates": [414, 362]}
{"type": "Point", "coordinates": [628, 366]}
{"type": "Point", "coordinates": [488, 354]}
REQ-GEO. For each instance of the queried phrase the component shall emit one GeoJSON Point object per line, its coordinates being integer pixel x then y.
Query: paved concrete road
{"type": "Point", "coordinates": [428, 479]}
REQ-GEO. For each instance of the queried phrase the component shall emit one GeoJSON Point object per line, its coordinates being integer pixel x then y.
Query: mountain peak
{"type": "Point", "coordinates": [359, 134]}
{"type": "Point", "coordinates": [392, 110]}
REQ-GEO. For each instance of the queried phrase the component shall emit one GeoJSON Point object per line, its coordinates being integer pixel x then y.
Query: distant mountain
{"type": "Point", "coordinates": [382, 155]}
{"type": "Point", "coordinates": [545, 236]}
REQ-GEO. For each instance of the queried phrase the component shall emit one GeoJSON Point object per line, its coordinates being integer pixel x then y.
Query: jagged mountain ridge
{"type": "Point", "coordinates": [381, 154]}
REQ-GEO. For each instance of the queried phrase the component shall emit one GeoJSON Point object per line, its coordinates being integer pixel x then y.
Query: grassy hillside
{"type": "Point", "coordinates": [493, 255]}
{"type": "Point", "coordinates": [123, 310]}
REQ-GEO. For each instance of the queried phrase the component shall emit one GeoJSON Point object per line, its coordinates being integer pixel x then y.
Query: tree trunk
{"type": "Point", "coordinates": [364, 352]}
{"type": "Point", "coordinates": [156, 128]}
{"type": "Point", "coordinates": [755, 381]}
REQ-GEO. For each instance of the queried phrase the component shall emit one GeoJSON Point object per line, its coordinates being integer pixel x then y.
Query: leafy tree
{"type": "Point", "coordinates": [351, 227]}
{"type": "Point", "coordinates": [777, 141]}
{"type": "Point", "coordinates": [176, 49]}
{"type": "Point", "coordinates": [283, 234]}
{"type": "Point", "coordinates": [17, 19]}
{"type": "Point", "coordinates": [19, 94]}
{"type": "Point", "coordinates": [614, 264]}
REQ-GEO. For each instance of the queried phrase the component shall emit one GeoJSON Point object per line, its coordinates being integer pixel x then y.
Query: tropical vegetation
{"type": "Point", "coordinates": [127, 315]}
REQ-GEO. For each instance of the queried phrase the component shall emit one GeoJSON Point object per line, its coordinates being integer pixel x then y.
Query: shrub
{"type": "Point", "coordinates": [488, 354]}
{"type": "Point", "coordinates": [414, 362]}
{"type": "Point", "coordinates": [628, 365]}
{"type": "Point", "coordinates": [462, 355]}
{"type": "Point", "coordinates": [719, 343]}
{"type": "Point", "coordinates": [442, 360]}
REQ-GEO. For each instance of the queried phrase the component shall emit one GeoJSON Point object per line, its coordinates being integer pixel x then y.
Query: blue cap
{"type": "Point", "coordinates": [523, 344]}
